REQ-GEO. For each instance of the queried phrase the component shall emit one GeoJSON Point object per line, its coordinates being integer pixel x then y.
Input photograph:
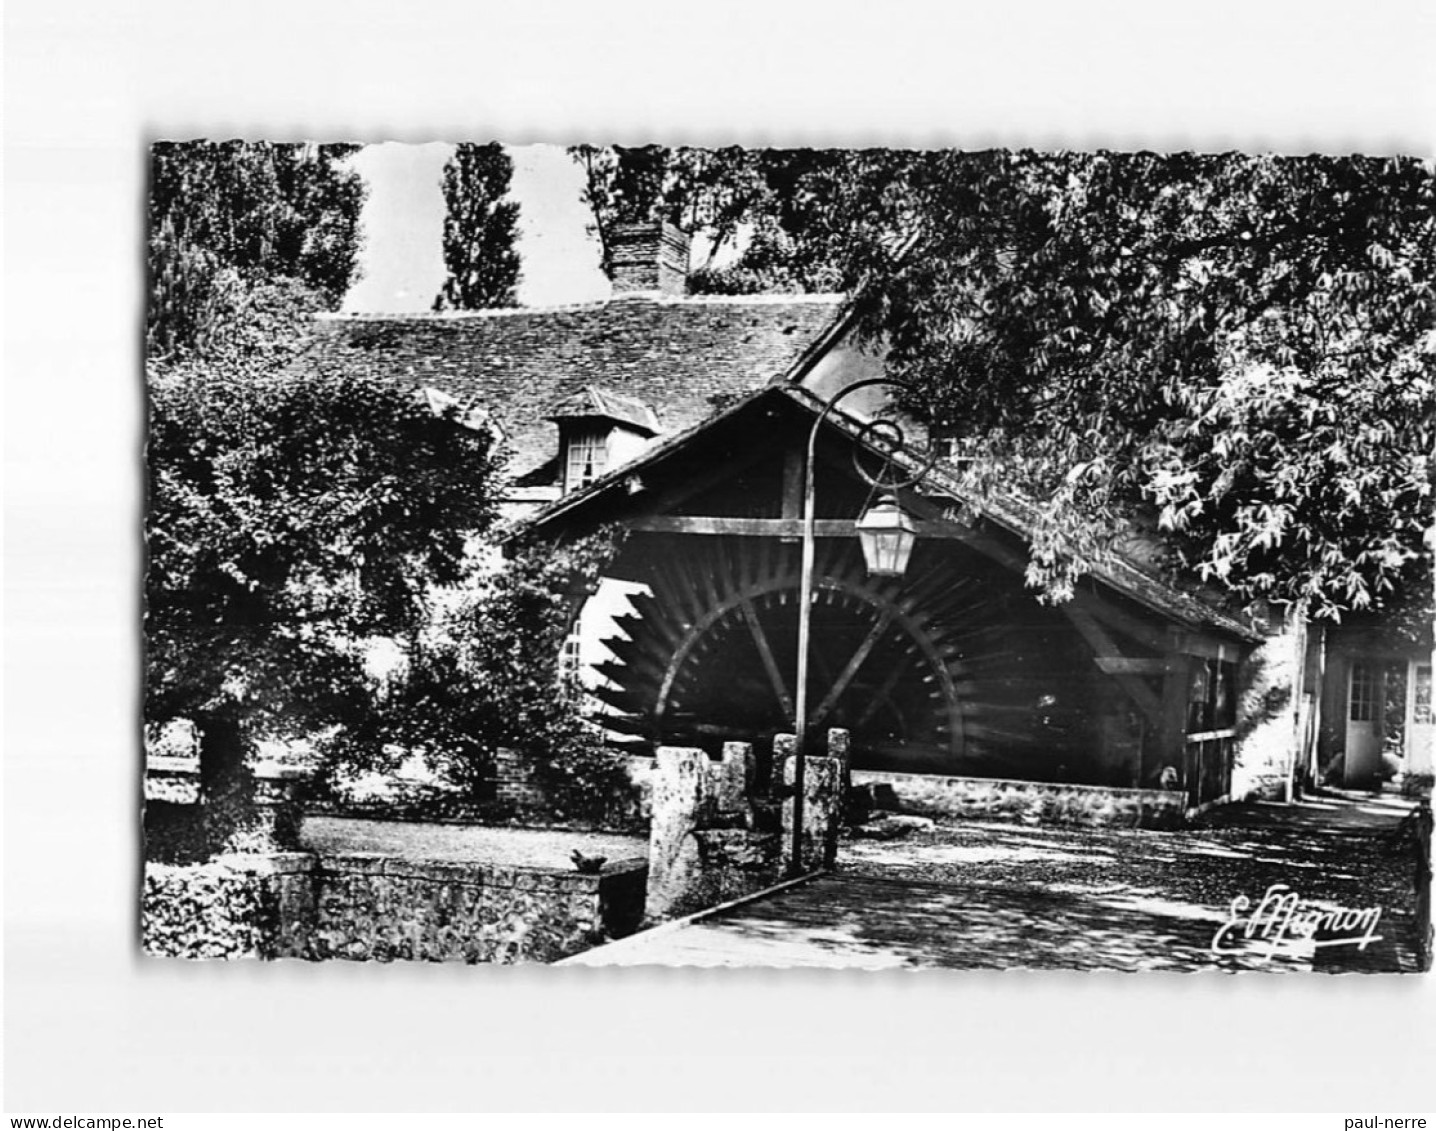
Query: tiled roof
{"type": "Point", "coordinates": [683, 357]}
{"type": "Point", "coordinates": [605, 403]}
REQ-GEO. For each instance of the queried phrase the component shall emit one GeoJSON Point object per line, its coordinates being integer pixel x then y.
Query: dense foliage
{"type": "Point", "coordinates": [205, 911]}
{"type": "Point", "coordinates": [486, 676]}
{"type": "Point", "coordinates": [290, 521]}
{"type": "Point", "coordinates": [1242, 344]}
{"type": "Point", "coordinates": [1235, 349]}
{"type": "Point", "coordinates": [228, 218]}
{"type": "Point", "coordinates": [764, 213]}
{"type": "Point", "coordinates": [480, 228]}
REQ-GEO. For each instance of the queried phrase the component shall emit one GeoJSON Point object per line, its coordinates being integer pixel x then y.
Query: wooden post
{"type": "Point", "coordinates": [792, 484]}
{"type": "Point", "coordinates": [1172, 731]}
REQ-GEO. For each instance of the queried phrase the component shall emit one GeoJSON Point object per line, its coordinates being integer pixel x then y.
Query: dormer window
{"type": "Point", "coordinates": [586, 458]}
{"type": "Point", "coordinates": [599, 431]}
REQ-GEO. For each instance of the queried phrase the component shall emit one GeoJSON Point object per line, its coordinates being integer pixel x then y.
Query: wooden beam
{"type": "Point", "coordinates": [1129, 665]}
{"type": "Point", "coordinates": [1149, 635]}
{"type": "Point", "coordinates": [785, 528]}
{"type": "Point", "coordinates": [742, 527]}
{"type": "Point", "coordinates": [1207, 647]}
{"type": "Point", "coordinates": [1103, 647]}
{"type": "Point", "coordinates": [765, 650]}
{"type": "Point", "coordinates": [845, 677]}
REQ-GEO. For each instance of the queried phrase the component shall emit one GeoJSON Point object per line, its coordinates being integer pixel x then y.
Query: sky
{"type": "Point", "coordinates": [402, 265]}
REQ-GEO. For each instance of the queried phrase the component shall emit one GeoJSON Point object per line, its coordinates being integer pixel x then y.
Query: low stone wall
{"type": "Point", "coordinates": [376, 907]}
{"type": "Point", "coordinates": [361, 906]}
{"type": "Point", "coordinates": [999, 799]}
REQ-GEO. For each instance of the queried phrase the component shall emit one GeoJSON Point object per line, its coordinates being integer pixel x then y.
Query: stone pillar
{"type": "Point", "coordinates": [840, 750]}
{"type": "Point", "coordinates": [514, 781]}
{"type": "Point", "coordinates": [840, 744]}
{"type": "Point", "coordinates": [682, 799]}
{"type": "Point", "coordinates": [274, 824]}
{"type": "Point", "coordinates": [822, 811]}
{"type": "Point", "coordinates": [783, 747]}
{"type": "Point", "coordinates": [733, 780]}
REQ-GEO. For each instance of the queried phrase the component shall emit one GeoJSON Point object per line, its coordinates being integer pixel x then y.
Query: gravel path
{"type": "Point", "coordinates": [1000, 896]}
{"type": "Point", "coordinates": [1159, 897]}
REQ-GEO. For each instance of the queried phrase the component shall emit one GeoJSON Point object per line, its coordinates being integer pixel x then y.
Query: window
{"type": "Point", "coordinates": [951, 444]}
{"type": "Point", "coordinates": [1421, 714]}
{"type": "Point", "coordinates": [587, 458]}
{"type": "Point", "coordinates": [1363, 693]}
{"type": "Point", "coordinates": [570, 664]}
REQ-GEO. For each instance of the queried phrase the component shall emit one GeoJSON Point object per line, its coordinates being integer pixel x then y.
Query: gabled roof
{"type": "Point", "coordinates": [605, 404]}
{"type": "Point", "coordinates": [685, 357]}
{"type": "Point", "coordinates": [940, 481]}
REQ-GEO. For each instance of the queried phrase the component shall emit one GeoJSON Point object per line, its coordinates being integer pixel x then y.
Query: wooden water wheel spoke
{"type": "Point", "coordinates": [884, 692]}
{"type": "Point", "coordinates": [845, 677]}
{"type": "Point", "coordinates": [712, 647]}
{"type": "Point", "coordinates": [770, 664]}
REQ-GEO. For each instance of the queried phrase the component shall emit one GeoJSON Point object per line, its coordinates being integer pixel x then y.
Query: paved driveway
{"type": "Point", "coordinates": [980, 895]}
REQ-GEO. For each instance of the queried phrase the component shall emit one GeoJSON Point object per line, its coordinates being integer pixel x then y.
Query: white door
{"type": "Point", "coordinates": [1363, 723]}
{"type": "Point", "coordinates": [1420, 732]}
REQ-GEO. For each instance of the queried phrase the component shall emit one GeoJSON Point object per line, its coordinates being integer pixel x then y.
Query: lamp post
{"type": "Point", "coordinates": [887, 535]}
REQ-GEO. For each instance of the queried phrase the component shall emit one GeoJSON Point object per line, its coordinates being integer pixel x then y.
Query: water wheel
{"type": "Point", "coordinates": [710, 652]}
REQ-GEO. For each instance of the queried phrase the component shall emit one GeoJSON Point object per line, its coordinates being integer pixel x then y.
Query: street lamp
{"type": "Point", "coordinates": [887, 534]}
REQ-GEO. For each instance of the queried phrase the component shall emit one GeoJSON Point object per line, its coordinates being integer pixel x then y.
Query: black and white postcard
{"type": "Point", "coordinates": [848, 558]}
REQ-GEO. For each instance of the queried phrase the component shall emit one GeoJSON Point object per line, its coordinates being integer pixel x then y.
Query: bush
{"type": "Point", "coordinates": [204, 911]}
{"type": "Point", "coordinates": [586, 780]}
{"type": "Point", "coordinates": [175, 833]}
{"type": "Point", "coordinates": [488, 679]}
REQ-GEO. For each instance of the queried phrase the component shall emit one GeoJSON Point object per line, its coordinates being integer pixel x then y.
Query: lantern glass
{"type": "Point", "coordinates": [887, 535]}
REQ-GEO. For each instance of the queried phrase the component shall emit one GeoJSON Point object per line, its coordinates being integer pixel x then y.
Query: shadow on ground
{"type": "Point", "coordinates": [986, 895]}
{"type": "Point", "coordinates": [1136, 899]}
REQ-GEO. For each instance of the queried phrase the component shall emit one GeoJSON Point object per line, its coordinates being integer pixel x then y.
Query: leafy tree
{"type": "Point", "coordinates": [1242, 345]}
{"type": "Point", "coordinates": [486, 676]}
{"type": "Point", "coordinates": [1236, 349]}
{"type": "Point", "coordinates": [233, 215]}
{"type": "Point", "coordinates": [479, 230]}
{"type": "Point", "coordinates": [291, 519]}
{"type": "Point", "coordinates": [767, 201]}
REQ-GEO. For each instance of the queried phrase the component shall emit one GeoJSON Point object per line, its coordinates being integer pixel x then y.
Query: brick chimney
{"type": "Point", "coordinates": [649, 258]}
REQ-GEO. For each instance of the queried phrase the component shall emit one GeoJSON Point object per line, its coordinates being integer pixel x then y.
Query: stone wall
{"type": "Point", "coordinates": [378, 907]}
{"type": "Point", "coordinates": [362, 906]}
{"type": "Point", "coordinates": [997, 799]}
{"type": "Point", "coordinates": [514, 781]}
